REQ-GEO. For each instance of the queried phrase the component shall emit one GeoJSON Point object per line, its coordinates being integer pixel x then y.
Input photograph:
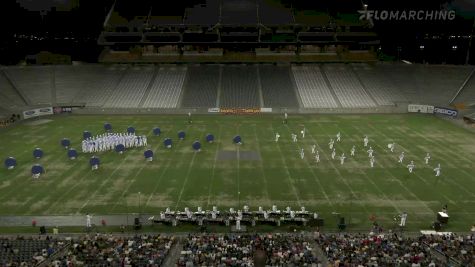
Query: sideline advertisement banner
{"type": "Point", "coordinates": [240, 110]}
{"type": "Point", "coordinates": [213, 110]}
{"type": "Point", "coordinates": [420, 108]}
{"type": "Point", "coordinates": [27, 114]}
{"type": "Point", "coordinates": [446, 111]}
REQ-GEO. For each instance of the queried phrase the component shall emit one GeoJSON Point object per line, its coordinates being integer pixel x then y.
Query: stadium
{"type": "Point", "coordinates": [238, 133]}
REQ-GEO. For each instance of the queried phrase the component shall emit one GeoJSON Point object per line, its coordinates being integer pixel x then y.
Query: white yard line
{"type": "Point", "coordinates": [334, 167]}
{"type": "Point", "coordinates": [452, 181]}
{"type": "Point", "coordinates": [238, 169]}
{"type": "Point", "coordinates": [106, 180]}
{"type": "Point", "coordinates": [186, 179]}
{"type": "Point", "coordinates": [133, 180]}
{"type": "Point", "coordinates": [407, 189]}
{"type": "Point", "coordinates": [375, 185]}
{"type": "Point", "coordinates": [317, 180]}
{"type": "Point", "coordinates": [213, 173]}
{"type": "Point", "coordinates": [291, 180]}
{"type": "Point", "coordinates": [162, 173]}
{"type": "Point", "coordinates": [264, 178]}
{"type": "Point", "coordinates": [187, 174]}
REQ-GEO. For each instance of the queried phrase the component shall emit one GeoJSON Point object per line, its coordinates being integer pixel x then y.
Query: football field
{"type": "Point", "coordinates": [259, 172]}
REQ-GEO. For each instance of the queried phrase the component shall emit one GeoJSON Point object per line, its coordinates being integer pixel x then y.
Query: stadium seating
{"type": "Point", "coordinates": [432, 84]}
{"type": "Point", "coordinates": [202, 87]}
{"type": "Point", "coordinates": [277, 87]}
{"type": "Point", "coordinates": [375, 250]}
{"type": "Point", "coordinates": [166, 89]}
{"type": "Point", "coordinates": [238, 250]}
{"type": "Point", "coordinates": [101, 82]}
{"type": "Point", "coordinates": [27, 251]}
{"type": "Point", "coordinates": [69, 80]}
{"type": "Point", "coordinates": [437, 84]}
{"type": "Point", "coordinates": [144, 86]}
{"type": "Point", "coordinates": [312, 88]}
{"type": "Point", "coordinates": [35, 83]}
{"type": "Point", "coordinates": [131, 88]}
{"type": "Point", "coordinates": [459, 247]}
{"type": "Point", "coordinates": [384, 92]}
{"type": "Point", "coordinates": [108, 250]}
{"type": "Point", "coordinates": [9, 97]}
{"type": "Point", "coordinates": [239, 87]}
{"type": "Point", "coordinates": [467, 95]}
{"type": "Point", "coordinates": [347, 87]}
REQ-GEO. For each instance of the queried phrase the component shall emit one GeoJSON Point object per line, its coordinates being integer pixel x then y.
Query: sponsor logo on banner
{"type": "Point", "coordinates": [45, 111]}
{"type": "Point", "coordinates": [37, 112]}
{"type": "Point", "coordinates": [446, 111]}
{"type": "Point", "coordinates": [420, 108]}
{"type": "Point", "coordinates": [240, 110]}
{"type": "Point", "coordinates": [265, 110]}
{"type": "Point", "coordinates": [213, 110]}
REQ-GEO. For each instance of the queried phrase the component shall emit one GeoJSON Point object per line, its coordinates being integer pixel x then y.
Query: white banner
{"type": "Point", "coordinates": [213, 110]}
{"type": "Point", "coordinates": [27, 114]}
{"type": "Point", "coordinates": [420, 108]}
{"type": "Point", "coordinates": [263, 110]}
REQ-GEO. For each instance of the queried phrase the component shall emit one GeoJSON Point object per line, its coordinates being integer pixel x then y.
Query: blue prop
{"type": "Point", "coordinates": [196, 146]}
{"type": "Point", "coordinates": [120, 148]}
{"type": "Point", "coordinates": [94, 161]}
{"type": "Point", "coordinates": [37, 169]}
{"type": "Point", "coordinates": [131, 130]}
{"type": "Point", "coordinates": [107, 127]}
{"type": "Point", "coordinates": [167, 142]}
{"type": "Point", "coordinates": [72, 153]}
{"type": "Point", "coordinates": [65, 142]}
{"type": "Point", "coordinates": [209, 138]}
{"type": "Point", "coordinates": [148, 154]}
{"type": "Point", "coordinates": [10, 163]}
{"type": "Point", "coordinates": [181, 135]}
{"type": "Point", "coordinates": [86, 135]}
{"type": "Point", "coordinates": [37, 153]}
{"type": "Point", "coordinates": [157, 131]}
{"type": "Point", "coordinates": [237, 139]}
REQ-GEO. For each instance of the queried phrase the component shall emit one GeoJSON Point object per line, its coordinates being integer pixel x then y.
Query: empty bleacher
{"type": "Point", "coordinates": [9, 97]}
{"type": "Point", "coordinates": [312, 88]}
{"type": "Point", "coordinates": [239, 87]}
{"type": "Point", "coordinates": [437, 84]}
{"type": "Point", "coordinates": [347, 87]}
{"type": "Point", "coordinates": [385, 93]}
{"type": "Point", "coordinates": [69, 80]}
{"type": "Point", "coordinates": [277, 87]}
{"type": "Point", "coordinates": [131, 88]}
{"type": "Point", "coordinates": [33, 82]}
{"type": "Point", "coordinates": [467, 95]}
{"type": "Point", "coordinates": [166, 89]}
{"type": "Point", "coordinates": [202, 86]}
{"type": "Point", "coordinates": [101, 83]}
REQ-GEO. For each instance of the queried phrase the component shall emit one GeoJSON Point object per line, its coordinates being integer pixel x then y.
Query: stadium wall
{"type": "Point", "coordinates": [400, 108]}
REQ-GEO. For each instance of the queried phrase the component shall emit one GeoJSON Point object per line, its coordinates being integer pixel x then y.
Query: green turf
{"type": "Point", "coordinates": [179, 177]}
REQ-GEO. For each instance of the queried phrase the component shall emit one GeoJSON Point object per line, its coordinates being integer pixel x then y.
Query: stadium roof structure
{"type": "Point", "coordinates": [229, 21]}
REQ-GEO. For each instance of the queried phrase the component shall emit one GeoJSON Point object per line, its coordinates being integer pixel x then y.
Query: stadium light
{"type": "Point", "coordinates": [454, 47]}
{"type": "Point", "coordinates": [421, 47]}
